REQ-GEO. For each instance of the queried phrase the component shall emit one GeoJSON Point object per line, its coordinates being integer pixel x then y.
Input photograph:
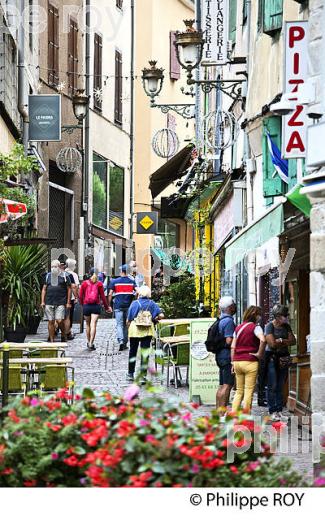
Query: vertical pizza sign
{"type": "Point", "coordinates": [296, 69]}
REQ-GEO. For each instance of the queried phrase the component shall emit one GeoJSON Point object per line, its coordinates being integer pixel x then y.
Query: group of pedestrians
{"type": "Point", "coordinates": [134, 311]}
{"type": "Point", "coordinates": [242, 349]}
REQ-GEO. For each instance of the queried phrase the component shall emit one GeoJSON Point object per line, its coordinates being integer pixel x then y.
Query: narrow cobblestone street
{"type": "Point", "coordinates": [106, 369]}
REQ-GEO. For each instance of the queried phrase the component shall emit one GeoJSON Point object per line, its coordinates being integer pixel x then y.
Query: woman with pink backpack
{"type": "Point", "coordinates": [91, 295]}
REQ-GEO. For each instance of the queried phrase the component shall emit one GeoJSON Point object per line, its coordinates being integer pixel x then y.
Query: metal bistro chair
{"type": "Point", "coordinates": [180, 358]}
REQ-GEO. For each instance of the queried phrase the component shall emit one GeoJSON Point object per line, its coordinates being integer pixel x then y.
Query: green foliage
{"type": "Point", "coordinates": [108, 441]}
{"type": "Point", "coordinates": [21, 279]}
{"type": "Point", "coordinates": [178, 300]}
{"type": "Point", "coordinates": [99, 201]}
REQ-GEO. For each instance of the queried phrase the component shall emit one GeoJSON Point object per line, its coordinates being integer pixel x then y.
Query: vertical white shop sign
{"type": "Point", "coordinates": [294, 129]}
{"type": "Point", "coordinates": [215, 20]}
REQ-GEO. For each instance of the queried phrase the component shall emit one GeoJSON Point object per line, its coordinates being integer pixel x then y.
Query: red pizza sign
{"type": "Point", "coordinates": [295, 124]}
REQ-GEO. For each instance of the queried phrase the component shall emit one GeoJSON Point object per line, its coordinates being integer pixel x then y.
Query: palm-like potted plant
{"type": "Point", "coordinates": [21, 275]}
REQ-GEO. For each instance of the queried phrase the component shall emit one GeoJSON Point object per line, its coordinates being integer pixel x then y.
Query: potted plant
{"type": "Point", "coordinates": [23, 267]}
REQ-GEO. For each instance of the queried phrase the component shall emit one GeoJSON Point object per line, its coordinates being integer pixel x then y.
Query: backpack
{"type": "Point", "coordinates": [144, 317]}
{"type": "Point", "coordinates": [215, 341]}
{"type": "Point", "coordinates": [92, 293]}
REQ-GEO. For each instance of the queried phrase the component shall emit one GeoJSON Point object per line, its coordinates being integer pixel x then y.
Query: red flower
{"type": "Point", "coordinates": [7, 471]}
{"type": "Point", "coordinates": [53, 427]}
{"type": "Point", "coordinates": [13, 416]}
{"type": "Point", "coordinates": [30, 483]}
{"type": "Point", "coordinates": [69, 419]}
{"type": "Point", "coordinates": [234, 469]}
{"type": "Point", "coordinates": [71, 461]}
{"type": "Point", "coordinates": [279, 426]}
{"type": "Point", "coordinates": [125, 428]}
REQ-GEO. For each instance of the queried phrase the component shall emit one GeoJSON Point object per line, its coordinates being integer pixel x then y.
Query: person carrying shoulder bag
{"type": "Point", "coordinates": [247, 348]}
{"type": "Point", "coordinates": [279, 338]}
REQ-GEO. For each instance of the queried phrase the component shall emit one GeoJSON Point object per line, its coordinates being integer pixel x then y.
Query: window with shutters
{"type": "Point", "coordinates": [98, 65]}
{"type": "Point", "coordinates": [119, 4]}
{"type": "Point", "coordinates": [53, 45]}
{"type": "Point", "coordinates": [118, 88]}
{"type": "Point", "coordinates": [175, 68]}
{"type": "Point", "coordinates": [272, 16]}
{"type": "Point", "coordinates": [72, 56]}
{"type": "Point", "coordinates": [272, 184]}
{"type": "Point", "coordinates": [232, 20]}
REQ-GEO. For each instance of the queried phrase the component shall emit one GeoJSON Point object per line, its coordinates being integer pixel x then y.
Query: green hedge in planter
{"type": "Point", "coordinates": [108, 441]}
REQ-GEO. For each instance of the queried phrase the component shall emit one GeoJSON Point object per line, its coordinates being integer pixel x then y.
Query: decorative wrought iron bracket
{"type": "Point", "coordinates": [69, 129]}
{"type": "Point", "coordinates": [182, 109]}
{"type": "Point", "coordinates": [230, 87]}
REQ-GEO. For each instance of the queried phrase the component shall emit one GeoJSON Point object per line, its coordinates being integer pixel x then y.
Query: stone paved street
{"type": "Point", "coordinates": [106, 369]}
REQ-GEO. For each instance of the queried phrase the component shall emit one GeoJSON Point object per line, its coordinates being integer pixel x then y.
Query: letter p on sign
{"type": "Point", "coordinates": [296, 34]}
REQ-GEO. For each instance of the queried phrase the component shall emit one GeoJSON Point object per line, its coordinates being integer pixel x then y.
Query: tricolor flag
{"type": "Point", "coordinates": [280, 165]}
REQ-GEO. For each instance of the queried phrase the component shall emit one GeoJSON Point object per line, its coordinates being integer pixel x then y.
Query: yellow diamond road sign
{"type": "Point", "coordinates": [146, 222]}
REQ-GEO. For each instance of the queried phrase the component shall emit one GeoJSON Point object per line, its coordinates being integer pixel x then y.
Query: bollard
{"type": "Point", "coordinates": [5, 374]}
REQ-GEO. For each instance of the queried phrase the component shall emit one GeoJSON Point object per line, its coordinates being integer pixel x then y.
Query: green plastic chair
{"type": "Point", "coordinates": [53, 377]}
{"type": "Point", "coordinates": [16, 385]}
{"type": "Point", "coordinates": [181, 329]}
{"type": "Point", "coordinates": [180, 358]}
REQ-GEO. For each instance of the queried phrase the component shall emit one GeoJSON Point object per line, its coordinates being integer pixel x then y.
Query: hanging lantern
{"type": "Point", "coordinates": [219, 130]}
{"type": "Point", "coordinates": [165, 143]}
{"type": "Point", "coordinates": [69, 160]}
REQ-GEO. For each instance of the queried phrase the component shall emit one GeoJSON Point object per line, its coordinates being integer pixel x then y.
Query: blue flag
{"type": "Point", "coordinates": [280, 165]}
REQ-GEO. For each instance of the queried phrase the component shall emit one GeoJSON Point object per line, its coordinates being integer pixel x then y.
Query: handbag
{"type": "Point", "coordinates": [284, 362]}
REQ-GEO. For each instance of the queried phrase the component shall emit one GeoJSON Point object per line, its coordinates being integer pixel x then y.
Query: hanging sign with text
{"type": "Point", "coordinates": [204, 373]}
{"type": "Point", "coordinates": [44, 117]}
{"type": "Point", "coordinates": [215, 16]}
{"type": "Point", "coordinates": [296, 68]}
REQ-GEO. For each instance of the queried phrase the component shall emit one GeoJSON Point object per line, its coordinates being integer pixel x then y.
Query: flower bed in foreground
{"type": "Point", "coordinates": [108, 441]}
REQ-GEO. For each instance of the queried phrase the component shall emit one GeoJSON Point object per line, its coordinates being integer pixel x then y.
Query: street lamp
{"type": "Point", "coordinates": [189, 51]}
{"type": "Point", "coordinates": [153, 79]}
{"type": "Point", "coordinates": [189, 48]}
{"type": "Point", "coordinates": [80, 105]}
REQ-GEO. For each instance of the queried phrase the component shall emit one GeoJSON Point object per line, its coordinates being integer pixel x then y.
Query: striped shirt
{"type": "Point", "coordinates": [123, 291]}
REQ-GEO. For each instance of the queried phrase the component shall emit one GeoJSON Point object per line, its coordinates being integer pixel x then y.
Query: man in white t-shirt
{"type": "Point", "coordinates": [70, 269]}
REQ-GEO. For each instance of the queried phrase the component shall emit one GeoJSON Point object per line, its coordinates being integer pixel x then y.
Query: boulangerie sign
{"type": "Point", "coordinates": [215, 15]}
{"type": "Point", "coordinates": [296, 68]}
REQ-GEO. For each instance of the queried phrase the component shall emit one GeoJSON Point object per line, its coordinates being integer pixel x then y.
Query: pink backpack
{"type": "Point", "coordinates": [91, 293]}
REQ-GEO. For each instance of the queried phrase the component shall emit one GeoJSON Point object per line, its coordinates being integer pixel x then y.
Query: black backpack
{"type": "Point", "coordinates": [215, 341]}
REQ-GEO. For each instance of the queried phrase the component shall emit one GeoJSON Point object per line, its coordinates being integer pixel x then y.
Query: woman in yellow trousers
{"type": "Point", "coordinates": [246, 349]}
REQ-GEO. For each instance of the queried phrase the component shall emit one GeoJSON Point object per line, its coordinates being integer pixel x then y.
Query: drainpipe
{"type": "Point", "coordinates": [251, 259]}
{"type": "Point", "coordinates": [22, 94]}
{"type": "Point", "coordinates": [89, 259]}
{"type": "Point", "coordinates": [132, 118]}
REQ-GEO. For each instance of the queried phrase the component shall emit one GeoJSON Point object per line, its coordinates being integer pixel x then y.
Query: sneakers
{"type": "Point", "coordinates": [276, 416]}
{"type": "Point", "coordinates": [122, 347]}
{"type": "Point", "coordinates": [91, 347]}
{"type": "Point", "coordinates": [130, 378]}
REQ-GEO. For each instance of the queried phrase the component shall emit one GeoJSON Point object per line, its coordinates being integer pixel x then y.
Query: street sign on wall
{"type": "Point", "coordinates": [204, 373]}
{"type": "Point", "coordinates": [294, 131]}
{"type": "Point", "coordinates": [44, 117]}
{"type": "Point", "coordinates": [215, 20]}
{"type": "Point", "coordinates": [147, 223]}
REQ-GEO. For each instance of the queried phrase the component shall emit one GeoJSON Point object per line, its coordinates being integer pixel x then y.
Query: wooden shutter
{"type": "Point", "coordinates": [53, 45]}
{"type": "Point", "coordinates": [272, 186]}
{"type": "Point", "coordinates": [272, 16]}
{"type": "Point", "coordinates": [118, 87]}
{"type": "Point", "coordinates": [98, 59]}
{"type": "Point", "coordinates": [175, 68]}
{"type": "Point", "coordinates": [72, 56]}
{"type": "Point", "coordinates": [232, 20]}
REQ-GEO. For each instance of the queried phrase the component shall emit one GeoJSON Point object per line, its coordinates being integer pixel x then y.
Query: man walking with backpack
{"type": "Point", "coordinates": [219, 341]}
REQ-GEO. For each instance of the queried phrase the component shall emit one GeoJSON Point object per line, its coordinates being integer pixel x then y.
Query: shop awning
{"type": "Point", "coordinates": [255, 235]}
{"type": "Point", "coordinates": [299, 200]}
{"type": "Point", "coordinates": [11, 210]}
{"type": "Point", "coordinates": [172, 170]}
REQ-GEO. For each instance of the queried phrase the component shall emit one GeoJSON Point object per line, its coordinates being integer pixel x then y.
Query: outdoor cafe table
{"type": "Point", "coordinates": [40, 361]}
{"type": "Point", "coordinates": [30, 345]}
